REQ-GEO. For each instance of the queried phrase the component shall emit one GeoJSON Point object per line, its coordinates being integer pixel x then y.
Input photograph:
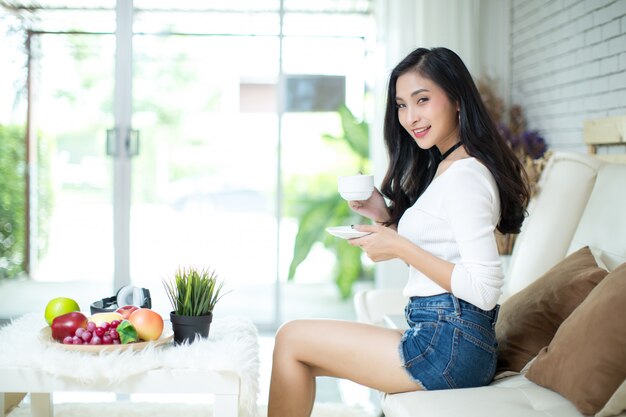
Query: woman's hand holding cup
{"type": "Point", "coordinates": [363, 197]}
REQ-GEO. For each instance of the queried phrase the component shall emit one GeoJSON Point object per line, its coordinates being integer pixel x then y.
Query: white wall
{"type": "Point", "coordinates": [568, 64]}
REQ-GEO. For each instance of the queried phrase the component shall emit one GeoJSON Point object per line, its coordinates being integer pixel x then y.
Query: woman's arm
{"type": "Point", "coordinates": [473, 211]}
{"type": "Point", "coordinates": [374, 208]}
{"type": "Point", "coordinates": [385, 243]}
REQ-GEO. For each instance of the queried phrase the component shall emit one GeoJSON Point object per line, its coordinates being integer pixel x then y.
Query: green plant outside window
{"type": "Point", "coordinates": [12, 201]}
{"type": "Point", "coordinates": [315, 213]}
{"type": "Point", "coordinates": [13, 210]}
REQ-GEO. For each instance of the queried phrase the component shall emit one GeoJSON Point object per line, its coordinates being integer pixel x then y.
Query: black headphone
{"type": "Point", "coordinates": [128, 295]}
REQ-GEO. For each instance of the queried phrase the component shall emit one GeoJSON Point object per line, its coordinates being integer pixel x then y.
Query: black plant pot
{"type": "Point", "coordinates": [187, 327]}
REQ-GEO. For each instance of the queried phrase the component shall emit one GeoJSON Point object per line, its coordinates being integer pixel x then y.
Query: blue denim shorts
{"type": "Point", "coordinates": [450, 343]}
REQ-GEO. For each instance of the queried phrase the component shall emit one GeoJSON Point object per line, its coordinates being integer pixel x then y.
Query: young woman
{"type": "Point", "coordinates": [451, 181]}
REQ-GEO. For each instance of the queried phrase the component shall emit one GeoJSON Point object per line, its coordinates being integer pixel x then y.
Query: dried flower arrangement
{"type": "Point", "coordinates": [529, 146]}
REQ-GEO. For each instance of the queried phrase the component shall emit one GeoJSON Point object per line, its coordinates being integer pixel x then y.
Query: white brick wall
{"type": "Point", "coordinates": [568, 64]}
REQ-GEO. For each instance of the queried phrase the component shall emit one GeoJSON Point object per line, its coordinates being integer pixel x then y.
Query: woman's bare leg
{"type": "Point", "coordinates": [304, 349]}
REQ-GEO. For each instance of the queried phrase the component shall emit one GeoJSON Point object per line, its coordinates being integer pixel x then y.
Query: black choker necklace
{"type": "Point", "coordinates": [449, 151]}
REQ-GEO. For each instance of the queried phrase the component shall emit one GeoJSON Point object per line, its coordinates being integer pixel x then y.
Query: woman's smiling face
{"type": "Point", "coordinates": [426, 112]}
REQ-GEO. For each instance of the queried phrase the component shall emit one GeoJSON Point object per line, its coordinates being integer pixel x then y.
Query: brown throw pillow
{"type": "Point", "coordinates": [615, 405]}
{"type": "Point", "coordinates": [586, 360]}
{"type": "Point", "coordinates": [528, 320]}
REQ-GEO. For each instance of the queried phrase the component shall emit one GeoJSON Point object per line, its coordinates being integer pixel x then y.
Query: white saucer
{"type": "Point", "coordinates": [345, 232]}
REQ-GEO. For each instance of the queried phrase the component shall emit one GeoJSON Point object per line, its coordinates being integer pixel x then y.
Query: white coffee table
{"type": "Point", "coordinates": [225, 384]}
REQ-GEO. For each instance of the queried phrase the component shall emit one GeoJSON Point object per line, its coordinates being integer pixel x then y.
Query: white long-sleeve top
{"type": "Point", "coordinates": [455, 219]}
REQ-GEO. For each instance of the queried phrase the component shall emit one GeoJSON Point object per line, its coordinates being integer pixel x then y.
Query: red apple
{"type": "Point", "coordinates": [126, 311]}
{"type": "Point", "coordinates": [66, 325]}
{"type": "Point", "coordinates": [148, 323]}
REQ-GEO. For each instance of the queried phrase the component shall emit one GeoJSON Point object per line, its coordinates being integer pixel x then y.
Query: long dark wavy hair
{"type": "Point", "coordinates": [411, 169]}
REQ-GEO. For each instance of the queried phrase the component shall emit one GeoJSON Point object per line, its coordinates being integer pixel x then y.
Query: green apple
{"type": "Point", "coordinates": [59, 306]}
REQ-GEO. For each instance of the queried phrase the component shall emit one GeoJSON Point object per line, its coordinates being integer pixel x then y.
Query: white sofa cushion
{"type": "Point", "coordinates": [511, 397]}
{"type": "Point", "coordinates": [553, 216]}
{"type": "Point", "coordinates": [372, 306]}
{"type": "Point", "coordinates": [603, 222]}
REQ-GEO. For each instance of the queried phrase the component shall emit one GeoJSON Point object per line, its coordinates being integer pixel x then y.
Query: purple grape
{"type": "Point", "coordinates": [99, 331]}
{"type": "Point", "coordinates": [91, 326]}
{"type": "Point", "coordinates": [79, 332]}
{"type": "Point", "coordinates": [86, 336]}
{"type": "Point", "coordinates": [114, 334]}
{"type": "Point", "coordinates": [68, 340]}
{"type": "Point", "coordinates": [105, 326]}
{"type": "Point", "coordinates": [106, 339]}
{"type": "Point", "coordinates": [95, 340]}
{"type": "Point", "coordinates": [77, 340]}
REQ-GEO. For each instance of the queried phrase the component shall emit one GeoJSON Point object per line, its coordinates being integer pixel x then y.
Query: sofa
{"type": "Point", "coordinates": [579, 205]}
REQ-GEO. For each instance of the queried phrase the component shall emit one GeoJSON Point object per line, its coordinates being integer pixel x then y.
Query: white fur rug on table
{"type": "Point", "coordinates": [232, 345]}
{"type": "Point", "coordinates": [126, 409]}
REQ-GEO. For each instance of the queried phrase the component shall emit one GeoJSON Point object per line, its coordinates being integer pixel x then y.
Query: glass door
{"type": "Point", "coordinates": [71, 202]}
{"type": "Point", "coordinates": [171, 137]}
{"type": "Point", "coordinates": [205, 178]}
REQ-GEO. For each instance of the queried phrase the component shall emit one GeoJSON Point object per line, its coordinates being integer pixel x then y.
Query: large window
{"type": "Point", "coordinates": [229, 105]}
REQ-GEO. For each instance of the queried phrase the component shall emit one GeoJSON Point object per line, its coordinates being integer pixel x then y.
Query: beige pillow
{"type": "Point", "coordinates": [529, 319]}
{"type": "Point", "coordinates": [586, 360]}
{"type": "Point", "coordinates": [616, 404]}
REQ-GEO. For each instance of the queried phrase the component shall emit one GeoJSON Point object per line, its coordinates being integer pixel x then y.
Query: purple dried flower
{"type": "Point", "coordinates": [534, 145]}
{"type": "Point", "coordinates": [529, 142]}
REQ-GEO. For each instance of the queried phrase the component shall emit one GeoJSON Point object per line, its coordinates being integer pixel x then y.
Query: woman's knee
{"type": "Point", "coordinates": [288, 333]}
{"type": "Point", "coordinates": [290, 337]}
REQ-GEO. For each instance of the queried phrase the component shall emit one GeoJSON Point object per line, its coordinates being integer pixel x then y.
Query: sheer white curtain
{"type": "Point", "coordinates": [468, 27]}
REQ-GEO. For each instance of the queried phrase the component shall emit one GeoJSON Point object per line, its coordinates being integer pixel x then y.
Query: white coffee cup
{"type": "Point", "coordinates": [356, 187]}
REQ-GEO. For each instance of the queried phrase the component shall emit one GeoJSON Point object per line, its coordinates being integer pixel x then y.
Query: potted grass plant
{"type": "Point", "coordinates": [193, 293]}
